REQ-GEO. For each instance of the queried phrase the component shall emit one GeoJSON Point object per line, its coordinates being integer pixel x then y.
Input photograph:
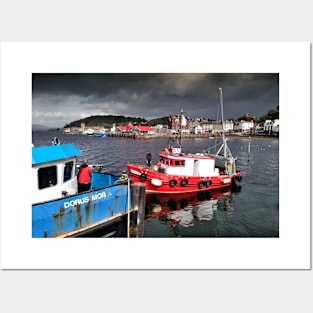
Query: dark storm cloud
{"type": "Point", "coordinates": [89, 84]}
{"type": "Point", "coordinates": [151, 95]}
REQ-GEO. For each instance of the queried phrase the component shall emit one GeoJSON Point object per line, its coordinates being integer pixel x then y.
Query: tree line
{"type": "Point", "coordinates": [106, 121]}
{"type": "Point", "coordinates": [271, 115]}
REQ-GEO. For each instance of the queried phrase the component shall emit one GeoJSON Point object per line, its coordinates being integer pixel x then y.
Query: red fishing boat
{"type": "Point", "coordinates": [178, 172]}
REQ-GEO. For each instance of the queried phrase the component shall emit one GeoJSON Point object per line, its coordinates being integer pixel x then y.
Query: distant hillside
{"type": "Point", "coordinates": [106, 121]}
{"type": "Point", "coordinates": [157, 121]}
{"type": "Point", "coordinates": [271, 115]}
{"type": "Point", "coordinates": [36, 127]}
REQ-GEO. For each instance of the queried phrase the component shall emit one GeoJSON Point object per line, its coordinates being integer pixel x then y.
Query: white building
{"type": "Point", "coordinates": [228, 126]}
{"type": "Point", "coordinates": [246, 127]}
{"type": "Point", "coordinates": [275, 128]}
{"type": "Point", "coordinates": [197, 130]}
{"type": "Point", "coordinates": [271, 126]}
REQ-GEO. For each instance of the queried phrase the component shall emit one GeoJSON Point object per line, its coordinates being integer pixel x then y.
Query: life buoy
{"type": "Point", "coordinates": [172, 182]}
{"type": "Point", "coordinates": [156, 182]}
{"type": "Point", "coordinates": [208, 183]}
{"type": "Point", "coordinates": [184, 182]}
{"type": "Point", "coordinates": [143, 176]}
{"type": "Point", "coordinates": [201, 184]}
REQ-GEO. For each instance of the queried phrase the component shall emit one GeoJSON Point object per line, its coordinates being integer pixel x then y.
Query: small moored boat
{"type": "Point", "coordinates": [178, 172]}
{"type": "Point", "coordinates": [101, 134]}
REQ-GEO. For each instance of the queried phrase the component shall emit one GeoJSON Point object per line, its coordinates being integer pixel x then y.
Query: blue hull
{"type": "Point", "coordinates": [78, 212]}
{"type": "Point", "coordinates": [100, 135]}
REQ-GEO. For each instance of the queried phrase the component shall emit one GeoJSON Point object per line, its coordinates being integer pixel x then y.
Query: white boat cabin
{"type": "Point", "coordinates": [187, 165]}
{"type": "Point", "coordinates": [53, 172]}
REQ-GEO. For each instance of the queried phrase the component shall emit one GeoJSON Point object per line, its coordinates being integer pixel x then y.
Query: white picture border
{"type": "Point", "coordinates": [290, 251]}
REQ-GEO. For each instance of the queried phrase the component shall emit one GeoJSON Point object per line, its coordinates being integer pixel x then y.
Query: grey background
{"type": "Point", "coordinates": [155, 291]}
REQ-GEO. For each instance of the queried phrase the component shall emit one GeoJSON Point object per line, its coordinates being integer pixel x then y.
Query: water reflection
{"type": "Point", "coordinates": [189, 209]}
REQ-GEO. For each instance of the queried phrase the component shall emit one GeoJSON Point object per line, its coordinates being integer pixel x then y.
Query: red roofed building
{"type": "Point", "coordinates": [126, 129]}
{"type": "Point", "coordinates": [141, 130]}
{"type": "Point", "coordinates": [145, 130]}
{"type": "Point", "coordinates": [122, 129]}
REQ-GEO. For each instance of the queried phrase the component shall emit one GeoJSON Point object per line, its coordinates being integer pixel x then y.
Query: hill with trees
{"type": "Point", "coordinates": [271, 115]}
{"type": "Point", "coordinates": [157, 121]}
{"type": "Point", "coordinates": [106, 121]}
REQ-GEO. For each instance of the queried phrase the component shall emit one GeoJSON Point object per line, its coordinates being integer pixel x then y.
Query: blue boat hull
{"type": "Point", "coordinates": [74, 213]}
{"type": "Point", "coordinates": [100, 135]}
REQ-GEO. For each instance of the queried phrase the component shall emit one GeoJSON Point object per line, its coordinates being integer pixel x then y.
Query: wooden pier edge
{"type": "Point", "coordinates": [138, 201]}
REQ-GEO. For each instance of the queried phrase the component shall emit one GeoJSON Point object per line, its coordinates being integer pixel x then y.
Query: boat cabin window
{"type": "Point", "coordinates": [47, 177]}
{"type": "Point", "coordinates": [172, 162]}
{"type": "Point", "coordinates": [179, 162]}
{"type": "Point", "coordinates": [68, 171]}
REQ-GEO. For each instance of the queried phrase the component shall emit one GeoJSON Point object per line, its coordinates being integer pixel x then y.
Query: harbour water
{"type": "Point", "coordinates": [252, 210]}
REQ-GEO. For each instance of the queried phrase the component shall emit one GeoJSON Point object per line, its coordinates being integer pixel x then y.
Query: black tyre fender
{"type": "Point", "coordinates": [172, 182]}
{"type": "Point", "coordinates": [208, 183]}
{"type": "Point", "coordinates": [184, 182]}
{"type": "Point", "coordinates": [201, 184]}
{"type": "Point", "coordinates": [143, 177]}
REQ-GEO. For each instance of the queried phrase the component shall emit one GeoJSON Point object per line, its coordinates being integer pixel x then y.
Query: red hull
{"type": "Point", "coordinates": [157, 182]}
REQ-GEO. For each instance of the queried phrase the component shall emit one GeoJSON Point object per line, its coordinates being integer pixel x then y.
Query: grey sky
{"type": "Point", "coordinates": [62, 98]}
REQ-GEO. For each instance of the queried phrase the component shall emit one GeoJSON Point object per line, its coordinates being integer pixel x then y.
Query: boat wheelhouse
{"type": "Point", "coordinates": [53, 172]}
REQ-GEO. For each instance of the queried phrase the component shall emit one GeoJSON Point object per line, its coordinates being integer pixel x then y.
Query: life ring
{"type": "Point", "coordinates": [143, 176]}
{"type": "Point", "coordinates": [201, 184]}
{"type": "Point", "coordinates": [184, 182]}
{"type": "Point", "coordinates": [208, 183]}
{"type": "Point", "coordinates": [172, 182]}
{"type": "Point", "coordinates": [156, 182]}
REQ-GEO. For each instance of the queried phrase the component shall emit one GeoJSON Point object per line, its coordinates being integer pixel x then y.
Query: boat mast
{"type": "Point", "coordinates": [230, 165]}
{"type": "Point", "coordinates": [222, 114]}
{"type": "Point", "coordinates": [180, 126]}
